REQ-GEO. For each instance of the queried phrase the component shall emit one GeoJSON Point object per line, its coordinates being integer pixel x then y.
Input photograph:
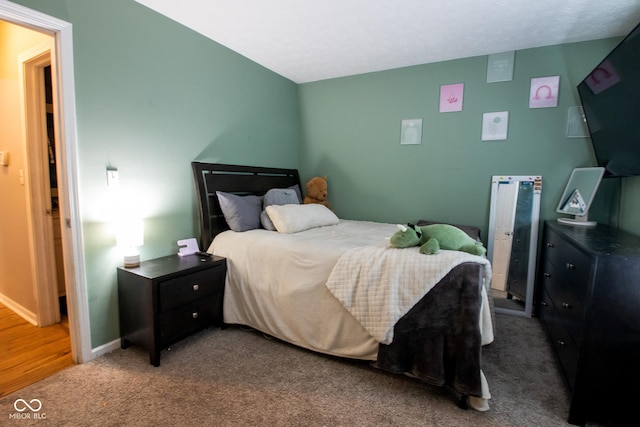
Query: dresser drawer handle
{"type": "Point", "coordinates": [565, 305]}
{"type": "Point", "coordinates": [195, 287]}
{"type": "Point", "coordinates": [561, 343]}
{"type": "Point", "coordinates": [194, 315]}
{"type": "Point", "coordinates": [550, 245]}
{"type": "Point", "coordinates": [547, 275]}
{"type": "Point", "coordinates": [570, 266]}
{"type": "Point", "coordinates": [543, 304]}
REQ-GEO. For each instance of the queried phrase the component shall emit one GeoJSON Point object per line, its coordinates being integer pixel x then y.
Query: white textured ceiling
{"type": "Point", "coordinates": [307, 41]}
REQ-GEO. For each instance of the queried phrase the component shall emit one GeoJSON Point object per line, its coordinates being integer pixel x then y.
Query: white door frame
{"type": "Point", "coordinates": [72, 241]}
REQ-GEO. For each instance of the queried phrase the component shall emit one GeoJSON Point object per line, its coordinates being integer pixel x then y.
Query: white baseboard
{"type": "Point", "coordinates": [105, 348]}
{"type": "Point", "coordinates": [20, 310]}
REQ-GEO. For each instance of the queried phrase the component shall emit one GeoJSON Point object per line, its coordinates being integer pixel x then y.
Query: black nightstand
{"type": "Point", "coordinates": [166, 299]}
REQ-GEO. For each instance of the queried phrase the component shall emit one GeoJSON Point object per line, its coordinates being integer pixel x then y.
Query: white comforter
{"type": "Point", "coordinates": [276, 283]}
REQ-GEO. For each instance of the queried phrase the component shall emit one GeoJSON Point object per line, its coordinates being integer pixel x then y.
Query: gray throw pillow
{"type": "Point", "coordinates": [242, 213]}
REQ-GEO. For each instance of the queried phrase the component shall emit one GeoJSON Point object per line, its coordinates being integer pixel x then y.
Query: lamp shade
{"type": "Point", "coordinates": [130, 235]}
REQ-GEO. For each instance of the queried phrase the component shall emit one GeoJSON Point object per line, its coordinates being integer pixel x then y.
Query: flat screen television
{"type": "Point", "coordinates": [610, 97]}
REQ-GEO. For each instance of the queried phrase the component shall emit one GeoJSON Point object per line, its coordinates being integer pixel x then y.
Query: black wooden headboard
{"type": "Point", "coordinates": [241, 180]}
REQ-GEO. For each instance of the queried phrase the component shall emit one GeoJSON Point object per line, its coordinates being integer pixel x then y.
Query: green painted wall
{"type": "Point", "coordinates": [152, 96]}
{"type": "Point", "coordinates": [351, 133]}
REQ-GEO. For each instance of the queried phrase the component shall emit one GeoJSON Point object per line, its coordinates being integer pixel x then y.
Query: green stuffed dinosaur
{"type": "Point", "coordinates": [432, 238]}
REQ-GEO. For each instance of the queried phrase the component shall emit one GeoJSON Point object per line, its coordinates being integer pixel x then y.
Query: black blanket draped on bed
{"type": "Point", "coordinates": [439, 339]}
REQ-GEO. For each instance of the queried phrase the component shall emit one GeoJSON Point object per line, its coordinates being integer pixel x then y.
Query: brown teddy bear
{"type": "Point", "coordinates": [317, 191]}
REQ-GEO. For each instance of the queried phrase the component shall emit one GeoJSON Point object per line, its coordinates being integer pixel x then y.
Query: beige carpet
{"type": "Point", "coordinates": [237, 378]}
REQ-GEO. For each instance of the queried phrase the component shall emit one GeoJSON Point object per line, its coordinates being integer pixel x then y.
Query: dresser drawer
{"type": "Point", "coordinates": [572, 266]}
{"type": "Point", "coordinates": [569, 307]}
{"type": "Point", "coordinates": [567, 352]}
{"type": "Point", "coordinates": [565, 347]}
{"type": "Point", "coordinates": [546, 311]}
{"type": "Point", "coordinates": [183, 290]}
{"type": "Point", "coordinates": [188, 318]}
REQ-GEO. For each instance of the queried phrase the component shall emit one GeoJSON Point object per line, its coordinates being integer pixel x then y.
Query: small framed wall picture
{"type": "Point", "coordinates": [495, 126]}
{"type": "Point", "coordinates": [411, 132]}
{"type": "Point", "coordinates": [500, 67]}
{"type": "Point", "coordinates": [544, 92]}
{"type": "Point", "coordinates": [451, 97]}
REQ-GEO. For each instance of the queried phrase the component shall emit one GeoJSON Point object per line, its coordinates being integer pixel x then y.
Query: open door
{"type": "Point", "coordinates": [37, 182]}
{"type": "Point", "coordinates": [508, 195]}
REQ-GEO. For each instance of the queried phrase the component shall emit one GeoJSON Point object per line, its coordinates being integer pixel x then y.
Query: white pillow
{"type": "Point", "coordinates": [293, 218]}
{"type": "Point", "coordinates": [278, 196]}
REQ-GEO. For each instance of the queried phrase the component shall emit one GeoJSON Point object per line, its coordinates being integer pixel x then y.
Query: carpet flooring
{"type": "Point", "coordinates": [235, 377]}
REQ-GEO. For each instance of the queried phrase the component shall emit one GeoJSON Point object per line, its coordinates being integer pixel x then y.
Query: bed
{"type": "Point", "coordinates": [335, 286]}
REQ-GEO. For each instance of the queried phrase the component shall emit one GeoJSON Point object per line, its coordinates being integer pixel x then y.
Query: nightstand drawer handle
{"type": "Point", "coordinates": [570, 266]}
{"type": "Point", "coordinates": [547, 275]}
{"type": "Point", "coordinates": [195, 287]}
{"type": "Point", "coordinates": [194, 315]}
{"type": "Point", "coordinates": [550, 245]}
{"type": "Point", "coordinates": [561, 343]}
{"type": "Point", "coordinates": [565, 305]}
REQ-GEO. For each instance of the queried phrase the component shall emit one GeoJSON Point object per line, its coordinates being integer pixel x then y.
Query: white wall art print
{"type": "Point", "coordinates": [500, 67]}
{"type": "Point", "coordinates": [451, 97]}
{"type": "Point", "coordinates": [411, 133]}
{"type": "Point", "coordinates": [544, 92]}
{"type": "Point", "coordinates": [495, 126]}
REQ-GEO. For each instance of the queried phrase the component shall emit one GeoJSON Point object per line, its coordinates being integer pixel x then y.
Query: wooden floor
{"type": "Point", "coordinates": [28, 353]}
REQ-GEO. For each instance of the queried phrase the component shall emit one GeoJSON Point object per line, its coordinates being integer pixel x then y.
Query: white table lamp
{"type": "Point", "coordinates": [130, 237]}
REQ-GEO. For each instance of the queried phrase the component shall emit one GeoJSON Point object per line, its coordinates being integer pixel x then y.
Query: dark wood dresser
{"type": "Point", "coordinates": [166, 299]}
{"type": "Point", "coordinates": [589, 303]}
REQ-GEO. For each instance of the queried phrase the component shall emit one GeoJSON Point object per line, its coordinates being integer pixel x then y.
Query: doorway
{"type": "Point", "coordinates": [67, 175]}
{"type": "Point", "coordinates": [53, 186]}
{"type": "Point", "coordinates": [503, 240]}
{"type": "Point", "coordinates": [41, 183]}
{"type": "Point", "coordinates": [31, 352]}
